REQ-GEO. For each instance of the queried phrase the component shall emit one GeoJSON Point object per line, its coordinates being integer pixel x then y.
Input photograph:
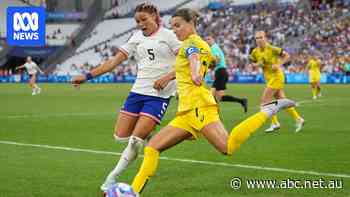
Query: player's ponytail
{"type": "Point", "coordinates": [149, 8]}
{"type": "Point", "coordinates": [188, 15]}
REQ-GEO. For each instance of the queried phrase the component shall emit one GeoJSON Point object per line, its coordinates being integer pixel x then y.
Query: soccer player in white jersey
{"type": "Point", "coordinates": [154, 48]}
{"type": "Point", "coordinates": [32, 69]}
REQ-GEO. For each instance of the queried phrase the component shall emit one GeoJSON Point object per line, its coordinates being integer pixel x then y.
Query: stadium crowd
{"type": "Point", "coordinates": [324, 31]}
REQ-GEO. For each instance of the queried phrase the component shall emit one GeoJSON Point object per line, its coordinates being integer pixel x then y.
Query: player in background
{"type": "Point", "coordinates": [154, 48]}
{"type": "Point", "coordinates": [32, 69]}
{"type": "Point", "coordinates": [270, 58]}
{"type": "Point", "coordinates": [221, 76]}
{"type": "Point", "coordinates": [314, 66]}
{"type": "Point", "coordinates": [197, 109]}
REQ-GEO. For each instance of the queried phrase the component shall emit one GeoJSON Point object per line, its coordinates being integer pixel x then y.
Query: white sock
{"type": "Point", "coordinates": [128, 156]}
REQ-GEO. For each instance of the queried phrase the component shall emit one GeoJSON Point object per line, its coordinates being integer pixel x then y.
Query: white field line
{"type": "Point", "coordinates": [211, 163]}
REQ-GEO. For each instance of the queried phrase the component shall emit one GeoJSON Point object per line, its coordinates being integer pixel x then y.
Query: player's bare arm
{"type": "Point", "coordinates": [107, 66]}
{"type": "Point", "coordinates": [163, 81]}
{"type": "Point", "coordinates": [195, 68]}
{"type": "Point", "coordinates": [20, 67]}
{"type": "Point", "coordinates": [283, 59]}
{"type": "Point", "coordinates": [39, 69]}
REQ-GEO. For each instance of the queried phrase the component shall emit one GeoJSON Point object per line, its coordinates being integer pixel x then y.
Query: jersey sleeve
{"type": "Point", "coordinates": [173, 42]}
{"type": "Point", "coordinates": [215, 51]}
{"type": "Point", "coordinates": [276, 51]}
{"type": "Point", "coordinates": [252, 57]}
{"type": "Point", "coordinates": [130, 46]}
{"type": "Point", "coordinates": [190, 48]}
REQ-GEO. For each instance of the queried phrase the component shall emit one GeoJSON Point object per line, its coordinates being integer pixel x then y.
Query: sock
{"type": "Point", "coordinates": [294, 113]}
{"type": "Point", "coordinates": [231, 99]}
{"type": "Point", "coordinates": [148, 168]}
{"type": "Point", "coordinates": [274, 120]}
{"type": "Point", "coordinates": [128, 156]}
{"type": "Point", "coordinates": [241, 132]}
{"type": "Point", "coordinates": [314, 92]}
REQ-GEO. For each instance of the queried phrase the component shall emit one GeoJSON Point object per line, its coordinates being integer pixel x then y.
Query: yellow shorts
{"type": "Point", "coordinates": [194, 120]}
{"type": "Point", "coordinates": [274, 81]}
{"type": "Point", "coordinates": [314, 78]}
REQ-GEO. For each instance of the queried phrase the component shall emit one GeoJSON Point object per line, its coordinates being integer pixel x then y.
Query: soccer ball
{"type": "Point", "coordinates": [121, 190]}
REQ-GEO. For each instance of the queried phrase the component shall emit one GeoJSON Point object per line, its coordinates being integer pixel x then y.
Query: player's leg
{"type": "Point", "coordinates": [216, 134]}
{"type": "Point", "coordinates": [151, 113]}
{"type": "Point", "coordinates": [221, 78]}
{"type": "Point", "coordinates": [167, 137]}
{"type": "Point", "coordinates": [242, 131]}
{"type": "Point", "coordinates": [32, 84]}
{"type": "Point", "coordinates": [299, 121]}
{"type": "Point", "coordinates": [267, 96]}
{"type": "Point", "coordinates": [318, 89]}
{"type": "Point", "coordinates": [123, 130]}
{"type": "Point", "coordinates": [314, 90]}
{"type": "Point", "coordinates": [124, 126]}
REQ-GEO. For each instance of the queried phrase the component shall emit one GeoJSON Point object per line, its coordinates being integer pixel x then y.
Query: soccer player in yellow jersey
{"type": "Point", "coordinates": [197, 109]}
{"type": "Point", "coordinates": [270, 58]}
{"type": "Point", "coordinates": [314, 65]}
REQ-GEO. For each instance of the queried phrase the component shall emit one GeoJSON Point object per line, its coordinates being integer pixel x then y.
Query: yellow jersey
{"type": "Point", "coordinates": [314, 65]}
{"type": "Point", "coordinates": [192, 96]}
{"type": "Point", "coordinates": [314, 70]}
{"type": "Point", "coordinates": [267, 57]}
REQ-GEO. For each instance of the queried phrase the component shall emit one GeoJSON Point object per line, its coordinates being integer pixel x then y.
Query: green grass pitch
{"type": "Point", "coordinates": [84, 119]}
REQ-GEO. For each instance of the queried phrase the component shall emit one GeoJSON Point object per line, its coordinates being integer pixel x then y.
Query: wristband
{"type": "Point", "coordinates": [88, 76]}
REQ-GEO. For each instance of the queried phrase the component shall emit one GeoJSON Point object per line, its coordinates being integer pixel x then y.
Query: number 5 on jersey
{"type": "Point", "coordinates": [151, 54]}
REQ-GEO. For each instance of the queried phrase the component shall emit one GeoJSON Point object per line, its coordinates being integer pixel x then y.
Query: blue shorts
{"type": "Point", "coordinates": [151, 106]}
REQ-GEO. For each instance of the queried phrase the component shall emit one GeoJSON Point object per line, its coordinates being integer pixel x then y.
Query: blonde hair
{"type": "Point", "coordinates": [188, 15]}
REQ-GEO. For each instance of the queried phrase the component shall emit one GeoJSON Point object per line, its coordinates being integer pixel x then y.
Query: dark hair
{"type": "Point", "coordinates": [188, 15]}
{"type": "Point", "coordinates": [149, 8]}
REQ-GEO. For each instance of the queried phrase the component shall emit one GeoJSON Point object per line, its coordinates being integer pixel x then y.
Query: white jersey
{"type": "Point", "coordinates": [31, 67]}
{"type": "Point", "coordinates": [155, 56]}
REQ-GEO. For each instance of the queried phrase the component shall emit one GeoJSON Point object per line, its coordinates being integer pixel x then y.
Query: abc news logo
{"type": "Point", "coordinates": [26, 26]}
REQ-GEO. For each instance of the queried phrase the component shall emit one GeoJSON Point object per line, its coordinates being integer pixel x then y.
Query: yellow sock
{"type": "Point", "coordinates": [293, 112]}
{"type": "Point", "coordinates": [148, 168]}
{"type": "Point", "coordinates": [241, 132]}
{"type": "Point", "coordinates": [274, 120]}
{"type": "Point", "coordinates": [314, 92]}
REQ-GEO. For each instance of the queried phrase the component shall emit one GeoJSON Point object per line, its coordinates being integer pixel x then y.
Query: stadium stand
{"type": "Point", "coordinates": [234, 28]}
{"type": "Point", "coordinates": [123, 7]}
{"type": "Point", "coordinates": [58, 34]}
{"type": "Point", "coordinates": [316, 28]}
{"type": "Point", "coordinates": [105, 30]}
